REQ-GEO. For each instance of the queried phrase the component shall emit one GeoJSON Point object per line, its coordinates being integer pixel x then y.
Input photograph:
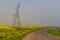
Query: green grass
{"type": "Point", "coordinates": [54, 31]}
{"type": "Point", "coordinates": [12, 33]}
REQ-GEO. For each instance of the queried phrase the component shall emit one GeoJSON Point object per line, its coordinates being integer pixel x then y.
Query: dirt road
{"type": "Point", "coordinates": [34, 36]}
{"type": "Point", "coordinates": [40, 35]}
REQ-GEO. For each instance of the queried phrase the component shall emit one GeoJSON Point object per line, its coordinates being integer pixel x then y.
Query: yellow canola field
{"type": "Point", "coordinates": [11, 27]}
{"type": "Point", "coordinates": [5, 27]}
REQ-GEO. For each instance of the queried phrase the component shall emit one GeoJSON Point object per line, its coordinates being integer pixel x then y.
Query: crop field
{"type": "Point", "coordinates": [16, 33]}
{"type": "Point", "coordinates": [54, 31]}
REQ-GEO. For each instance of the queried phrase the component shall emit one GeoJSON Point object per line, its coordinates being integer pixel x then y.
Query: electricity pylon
{"type": "Point", "coordinates": [16, 17]}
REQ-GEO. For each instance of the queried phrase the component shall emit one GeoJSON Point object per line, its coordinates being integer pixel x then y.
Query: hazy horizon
{"type": "Point", "coordinates": [32, 12]}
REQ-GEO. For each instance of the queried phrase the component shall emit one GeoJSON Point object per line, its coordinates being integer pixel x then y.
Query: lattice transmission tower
{"type": "Point", "coordinates": [16, 16]}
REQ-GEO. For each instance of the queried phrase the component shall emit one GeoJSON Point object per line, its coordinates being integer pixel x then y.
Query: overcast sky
{"type": "Point", "coordinates": [32, 12]}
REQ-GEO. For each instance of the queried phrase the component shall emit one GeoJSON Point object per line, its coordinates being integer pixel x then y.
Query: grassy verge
{"type": "Point", "coordinates": [54, 31]}
{"type": "Point", "coordinates": [12, 33]}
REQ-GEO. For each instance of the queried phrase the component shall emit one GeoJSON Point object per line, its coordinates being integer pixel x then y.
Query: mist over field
{"type": "Point", "coordinates": [32, 12]}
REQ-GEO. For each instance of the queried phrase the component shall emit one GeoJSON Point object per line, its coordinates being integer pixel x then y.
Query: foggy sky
{"type": "Point", "coordinates": [32, 12]}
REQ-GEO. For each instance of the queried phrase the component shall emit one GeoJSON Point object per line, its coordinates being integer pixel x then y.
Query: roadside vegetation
{"type": "Point", "coordinates": [54, 31]}
{"type": "Point", "coordinates": [16, 33]}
